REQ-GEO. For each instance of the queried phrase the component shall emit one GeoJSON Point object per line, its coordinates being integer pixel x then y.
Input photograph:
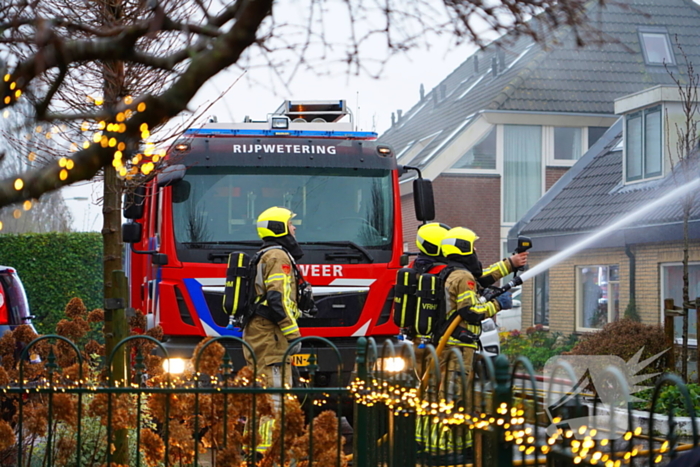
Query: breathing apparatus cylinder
{"type": "Point", "coordinates": [236, 291]}
{"type": "Point", "coordinates": [405, 298]}
{"type": "Point", "coordinates": [428, 304]}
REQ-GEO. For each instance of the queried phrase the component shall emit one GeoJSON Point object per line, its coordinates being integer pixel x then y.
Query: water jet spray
{"type": "Point", "coordinates": [623, 221]}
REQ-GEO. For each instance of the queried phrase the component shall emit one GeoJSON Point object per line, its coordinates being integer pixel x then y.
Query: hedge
{"type": "Point", "coordinates": [55, 267]}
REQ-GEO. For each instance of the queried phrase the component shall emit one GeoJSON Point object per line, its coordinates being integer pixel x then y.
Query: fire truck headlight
{"type": "Point", "coordinates": [174, 366]}
{"type": "Point", "coordinates": [280, 123]}
{"type": "Point", "coordinates": [391, 364]}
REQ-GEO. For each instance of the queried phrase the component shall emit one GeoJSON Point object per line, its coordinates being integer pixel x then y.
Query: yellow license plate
{"type": "Point", "coordinates": [301, 359]}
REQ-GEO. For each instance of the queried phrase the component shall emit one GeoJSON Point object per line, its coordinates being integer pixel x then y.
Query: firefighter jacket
{"type": "Point", "coordinates": [276, 291]}
{"type": "Point", "coordinates": [461, 295]}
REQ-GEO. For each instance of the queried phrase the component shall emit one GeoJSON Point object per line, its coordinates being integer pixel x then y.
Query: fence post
{"type": "Point", "coordinates": [361, 448]}
{"type": "Point", "coordinates": [116, 329]}
{"type": "Point", "coordinates": [503, 393]}
{"type": "Point", "coordinates": [670, 312]}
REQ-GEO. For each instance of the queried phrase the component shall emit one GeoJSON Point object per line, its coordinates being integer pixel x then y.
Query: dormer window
{"type": "Point", "coordinates": [656, 46]}
{"type": "Point", "coordinates": [643, 154]}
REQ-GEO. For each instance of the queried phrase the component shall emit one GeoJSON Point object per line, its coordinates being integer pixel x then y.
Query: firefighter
{"type": "Point", "coordinates": [274, 322]}
{"type": "Point", "coordinates": [429, 260]}
{"type": "Point", "coordinates": [276, 308]}
{"type": "Point", "coordinates": [461, 288]}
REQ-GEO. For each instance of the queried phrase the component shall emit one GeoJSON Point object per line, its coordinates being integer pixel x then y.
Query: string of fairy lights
{"type": "Point", "coordinates": [402, 400]}
{"type": "Point", "coordinates": [103, 132]}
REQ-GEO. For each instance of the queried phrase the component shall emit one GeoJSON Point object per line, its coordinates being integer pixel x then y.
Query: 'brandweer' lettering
{"type": "Point", "coordinates": [322, 270]}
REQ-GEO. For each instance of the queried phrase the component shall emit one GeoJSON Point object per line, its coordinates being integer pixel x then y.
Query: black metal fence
{"type": "Point", "coordinates": [60, 406]}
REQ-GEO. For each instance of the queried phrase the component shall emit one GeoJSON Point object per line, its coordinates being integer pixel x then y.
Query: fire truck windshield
{"type": "Point", "coordinates": [335, 208]}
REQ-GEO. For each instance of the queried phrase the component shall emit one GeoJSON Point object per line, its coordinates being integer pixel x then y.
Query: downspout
{"type": "Point", "coordinates": [633, 271]}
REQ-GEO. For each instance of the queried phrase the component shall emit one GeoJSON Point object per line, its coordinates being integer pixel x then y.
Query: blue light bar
{"type": "Point", "coordinates": [268, 133]}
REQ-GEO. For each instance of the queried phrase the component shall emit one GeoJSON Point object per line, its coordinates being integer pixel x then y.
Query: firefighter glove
{"type": "Point", "coordinates": [470, 316]}
{"type": "Point", "coordinates": [505, 300]}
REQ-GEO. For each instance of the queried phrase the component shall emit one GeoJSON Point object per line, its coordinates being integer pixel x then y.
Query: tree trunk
{"type": "Point", "coordinates": [113, 92]}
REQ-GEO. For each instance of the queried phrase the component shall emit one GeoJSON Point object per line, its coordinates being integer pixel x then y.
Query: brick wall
{"type": "Point", "coordinates": [562, 298]}
{"type": "Point", "coordinates": [473, 202]}
{"type": "Point", "coordinates": [649, 260]}
{"type": "Point", "coordinates": [410, 224]}
{"type": "Point", "coordinates": [469, 201]}
{"type": "Point", "coordinates": [552, 174]}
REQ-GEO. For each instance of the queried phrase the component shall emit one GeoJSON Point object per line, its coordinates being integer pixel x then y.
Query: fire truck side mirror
{"type": "Point", "coordinates": [181, 191]}
{"type": "Point", "coordinates": [170, 175]}
{"type": "Point", "coordinates": [133, 203]}
{"type": "Point", "coordinates": [131, 232]}
{"type": "Point", "coordinates": [423, 199]}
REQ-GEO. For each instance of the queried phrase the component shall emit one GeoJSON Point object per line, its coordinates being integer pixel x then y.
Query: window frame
{"type": "Point", "coordinates": [501, 170]}
{"type": "Point", "coordinates": [495, 132]}
{"type": "Point", "coordinates": [643, 113]}
{"type": "Point", "coordinates": [660, 31]}
{"type": "Point", "coordinates": [499, 158]}
{"type": "Point", "coordinates": [415, 147]}
{"type": "Point", "coordinates": [548, 146]}
{"type": "Point", "coordinates": [543, 276]}
{"type": "Point", "coordinates": [579, 295]}
{"type": "Point", "coordinates": [662, 292]}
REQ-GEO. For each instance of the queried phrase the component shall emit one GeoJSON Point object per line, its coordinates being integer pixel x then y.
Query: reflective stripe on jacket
{"type": "Point", "coordinates": [461, 291]}
{"type": "Point", "coordinates": [440, 437]}
{"type": "Point", "coordinates": [276, 291]}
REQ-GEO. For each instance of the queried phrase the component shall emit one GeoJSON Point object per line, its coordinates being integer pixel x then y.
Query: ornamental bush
{"type": "Point", "coordinates": [55, 267]}
{"type": "Point", "coordinates": [624, 339]}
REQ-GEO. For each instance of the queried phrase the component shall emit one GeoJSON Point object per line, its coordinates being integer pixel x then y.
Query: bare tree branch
{"type": "Point", "coordinates": [58, 56]}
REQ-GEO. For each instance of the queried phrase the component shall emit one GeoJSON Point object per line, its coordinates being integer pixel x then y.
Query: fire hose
{"type": "Point", "coordinates": [491, 292]}
{"type": "Point", "coordinates": [524, 244]}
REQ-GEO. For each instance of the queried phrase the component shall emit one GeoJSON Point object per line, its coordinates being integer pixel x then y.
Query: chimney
{"type": "Point", "coordinates": [494, 66]}
{"type": "Point", "coordinates": [393, 119]}
{"type": "Point", "coordinates": [422, 91]}
{"type": "Point", "coordinates": [476, 64]}
{"type": "Point", "coordinates": [398, 114]}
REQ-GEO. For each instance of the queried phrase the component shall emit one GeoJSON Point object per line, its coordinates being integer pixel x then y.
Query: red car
{"type": "Point", "coordinates": [14, 309]}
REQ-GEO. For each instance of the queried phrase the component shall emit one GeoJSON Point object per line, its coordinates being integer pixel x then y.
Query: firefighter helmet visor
{"type": "Point", "coordinates": [429, 237]}
{"type": "Point", "coordinates": [273, 222]}
{"type": "Point", "coordinates": [459, 241]}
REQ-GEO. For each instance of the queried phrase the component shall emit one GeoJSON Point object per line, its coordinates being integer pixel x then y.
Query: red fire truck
{"type": "Point", "coordinates": [343, 187]}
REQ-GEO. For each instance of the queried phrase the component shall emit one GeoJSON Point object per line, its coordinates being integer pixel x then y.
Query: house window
{"type": "Point", "coordinates": [594, 134]}
{"type": "Point", "coordinates": [656, 48]}
{"type": "Point", "coordinates": [522, 169]}
{"type": "Point", "coordinates": [541, 308]}
{"type": "Point", "coordinates": [598, 296]}
{"type": "Point", "coordinates": [672, 287]}
{"type": "Point", "coordinates": [567, 143]}
{"type": "Point", "coordinates": [482, 155]}
{"type": "Point", "coordinates": [643, 144]}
